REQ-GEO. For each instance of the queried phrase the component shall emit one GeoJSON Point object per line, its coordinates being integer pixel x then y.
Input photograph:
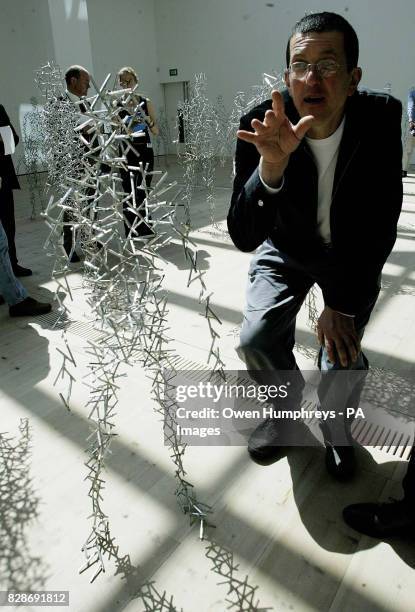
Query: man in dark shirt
{"type": "Point", "coordinates": [8, 182]}
{"type": "Point", "coordinates": [302, 196]}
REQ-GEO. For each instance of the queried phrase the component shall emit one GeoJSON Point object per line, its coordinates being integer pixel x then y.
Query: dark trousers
{"type": "Point", "coordinates": [11, 289]}
{"type": "Point", "coordinates": [277, 287]}
{"type": "Point", "coordinates": [131, 216]}
{"type": "Point", "coordinates": [68, 232]}
{"type": "Point", "coordinates": [409, 480]}
{"type": "Point", "coordinates": [8, 221]}
{"type": "Point", "coordinates": [69, 237]}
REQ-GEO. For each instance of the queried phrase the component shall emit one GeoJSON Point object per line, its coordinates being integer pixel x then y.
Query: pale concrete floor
{"type": "Point", "coordinates": [280, 527]}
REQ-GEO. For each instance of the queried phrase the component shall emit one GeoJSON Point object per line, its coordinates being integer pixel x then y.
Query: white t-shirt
{"type": "Point", "coordinates": [325, 152]}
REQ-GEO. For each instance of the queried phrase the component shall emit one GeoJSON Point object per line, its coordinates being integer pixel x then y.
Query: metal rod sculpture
{"type": "Point", "coordinates": [241, 594]}
{"type": "Point", "coordinates": [200, 122]}
{"type": "Point", "coordinates": [123, 283]}
{"type": "Point", "coordinates": [125, 294]}
{"type": "Point", "coordinates": [164, 139]}
{"type": "Point", "coordinates": [210, 137]}
{"type": "Point", "coordinates": [31, 161]}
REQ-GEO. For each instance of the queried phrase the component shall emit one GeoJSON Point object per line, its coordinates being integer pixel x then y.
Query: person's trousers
{"type": "Point", "coordinates": [407, 150]}
{"type": "Point", "coordinates": [137, 218]}
{"type": "Point", "coordinates": [409, 479]}
{"type": "Point", "coordinates": [8, 221]}
{"type": "Point", "coordinates": [68, 231]}
{"type": "Point", "coordinates": [277, 287]}
{"type": "Point", "coordinates": [10, 287]}
{"type": "Point", "coordinates": [68, 218]}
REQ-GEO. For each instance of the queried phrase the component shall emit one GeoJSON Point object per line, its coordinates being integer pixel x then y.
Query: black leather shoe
{"type": "Point", "coordinates": [271, 439]}
{"type": "Point", "coordinates": [404, 173]}
{"type": "Point", "coordinates": [264, 442]}
{"type": "Point", "coordinates": [340, 461]}
{"type": "Point", "coordinates": [29, 308]}
{"type": "Point", "coordinates": [382, 520]}
{"type": "Point", "coordinates": [20, 271]}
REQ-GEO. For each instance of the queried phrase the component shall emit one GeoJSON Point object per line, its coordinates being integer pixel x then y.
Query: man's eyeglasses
{"type": "Point", "coordinates": [325, 68]}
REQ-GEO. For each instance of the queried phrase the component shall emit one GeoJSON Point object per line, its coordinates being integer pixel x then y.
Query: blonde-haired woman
{"type": "Point", "coordinates": [139, 116]}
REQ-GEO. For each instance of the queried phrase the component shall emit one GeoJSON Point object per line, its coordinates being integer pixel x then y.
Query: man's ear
{"type": "Point", "coordinates": [287, 79]}
{"type": "Point", "coordinates": [355, 78]}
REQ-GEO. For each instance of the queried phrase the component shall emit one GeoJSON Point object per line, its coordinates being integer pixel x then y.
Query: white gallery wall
{"type": "Point", "coordinates": [26, 43]}
{"type": "Point", "coordinates": [232, 41]}
{"type": "Point", "coordinates": [123, 33]}
{"type": "Point", "coordinates": [70, 32]}
{"type": "Point", "coordinates": [235, 41]}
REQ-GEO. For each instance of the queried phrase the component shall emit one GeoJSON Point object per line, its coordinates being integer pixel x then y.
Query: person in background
{"type": "Point", "coordinates": [140, 118]}
{"type": "Point", "coordinates": [77, 80]}
{"type": "Point", "coordinates": [410, 135]}
{"type": "Point", "coordinates": [12, 291]}
{"type": "Point", "coordinates": [8, 182]}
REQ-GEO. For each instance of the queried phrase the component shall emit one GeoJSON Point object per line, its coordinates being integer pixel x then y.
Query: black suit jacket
{"type": "Point", "coordinates": [7, 171]}
{"type": "Point", "coordinates": [366, 199]}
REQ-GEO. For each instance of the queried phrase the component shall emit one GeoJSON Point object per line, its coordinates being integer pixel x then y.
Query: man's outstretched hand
{"type": "Point", "coordinates": [276, 138]}
{"type": "Point", "coordinates": [337, 333]}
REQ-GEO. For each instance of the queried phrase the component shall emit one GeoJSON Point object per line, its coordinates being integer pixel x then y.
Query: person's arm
{"type": "Point", "coordinates": [355, 282]}
{"type": "Point", "coordinates": [385, 204]}
{"type": "Point", "coordinates": [6, 121]}
{"type": "Point", "coordinates": [271, 141]}
{"type": "Point", "coordinates": [151, 121]}
{"type": "Point", "coordinates": [251, 212]}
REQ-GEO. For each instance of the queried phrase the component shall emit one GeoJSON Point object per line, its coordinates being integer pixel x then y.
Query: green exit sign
{"type": "Point", "coordinates": [173, 71]}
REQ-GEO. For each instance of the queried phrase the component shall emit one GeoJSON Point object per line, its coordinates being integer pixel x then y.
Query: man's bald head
{"type": "Point", "coordinates": [77, 80]}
